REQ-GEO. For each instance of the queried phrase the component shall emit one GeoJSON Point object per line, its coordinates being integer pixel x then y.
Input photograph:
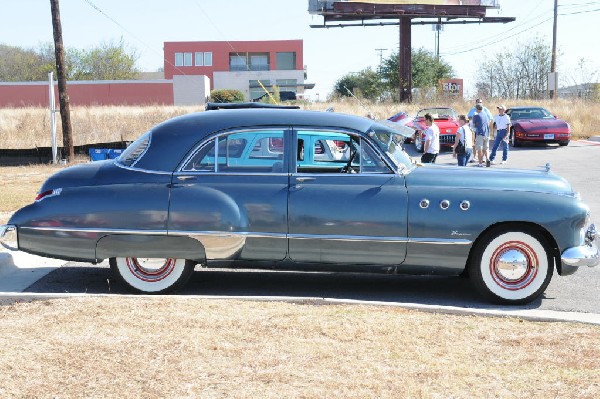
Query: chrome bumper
{"type": "Point", "coordinates": [583, 255]}
{"type": "Point", "coordinates": [8, 237]}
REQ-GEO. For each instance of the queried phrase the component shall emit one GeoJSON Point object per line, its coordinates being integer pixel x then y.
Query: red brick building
{"type": "Point", "coordinates": [242, 65]}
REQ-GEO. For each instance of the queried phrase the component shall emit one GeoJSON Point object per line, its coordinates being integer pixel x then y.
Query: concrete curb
{"type": "Point", "coordinates": [594, 138]}
{"type": "Point", "coordinates": [536, 315]}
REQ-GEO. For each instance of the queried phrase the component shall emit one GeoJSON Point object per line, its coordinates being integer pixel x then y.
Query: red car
{"type": "Point", "coordinates": [446, 120]}
{"type": "Point", "coordinates": [538, 125]}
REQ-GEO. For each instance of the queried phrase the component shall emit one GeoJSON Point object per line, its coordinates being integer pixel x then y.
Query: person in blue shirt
{"type": "Point", "coordinates": [487, 112]}
{"type": "Point", "coordinates": [481, 124]}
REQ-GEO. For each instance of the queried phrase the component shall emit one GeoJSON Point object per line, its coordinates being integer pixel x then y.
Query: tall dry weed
{"type": "Point", "coordinates": [23, 128]}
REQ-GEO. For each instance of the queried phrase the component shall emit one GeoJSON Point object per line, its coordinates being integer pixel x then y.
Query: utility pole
{"type": "Point", "coordinates": [68, 151]}
{"type": "Point", "coordinates": [553, 62]}
{"type": "Point", "coordinates": [380, 50]}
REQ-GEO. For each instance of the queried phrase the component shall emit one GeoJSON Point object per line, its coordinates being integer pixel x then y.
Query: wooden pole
{"type": "Point", "coordinates": [68, 151]}
{"type": "Point", "coordinates": [405, 55]}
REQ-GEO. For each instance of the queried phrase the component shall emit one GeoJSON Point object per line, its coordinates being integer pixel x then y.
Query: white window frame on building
{"type": "Point", "coordinates": [183, 59]}
{"type": "Point", "coordinates": [203, 58]}
{"type": "Point", "coordinates": [208, 58]}
{"type": "Point", "coordinates": [187, 59]}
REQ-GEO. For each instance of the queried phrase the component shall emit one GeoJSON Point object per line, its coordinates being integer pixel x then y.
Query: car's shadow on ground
{"type": "Point", "coordinates": [426, 290]}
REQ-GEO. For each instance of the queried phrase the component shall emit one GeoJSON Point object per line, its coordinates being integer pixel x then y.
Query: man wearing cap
{"type": "Point", "coordinates": [482, 134]}
{"type": "Point", "coordinates": [502, 123]}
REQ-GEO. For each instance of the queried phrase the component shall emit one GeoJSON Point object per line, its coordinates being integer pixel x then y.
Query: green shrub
{"type": "Point", "coordinates": [226, 96]}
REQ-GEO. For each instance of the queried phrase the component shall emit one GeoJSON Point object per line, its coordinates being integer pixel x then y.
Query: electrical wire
{"type": "Point", "coordinates": [95, 7]}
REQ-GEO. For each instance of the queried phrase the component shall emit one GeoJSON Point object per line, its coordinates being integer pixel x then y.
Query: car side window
{"type": "Point", "coordinates": [239, 152]}
{"type": "Point", "coordinates": [336, 152]}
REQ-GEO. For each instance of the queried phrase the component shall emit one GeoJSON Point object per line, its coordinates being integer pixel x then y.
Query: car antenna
{"type": "Point", "coordinates": [359, 103]}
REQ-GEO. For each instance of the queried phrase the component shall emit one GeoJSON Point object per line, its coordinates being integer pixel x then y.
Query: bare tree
{"type": "Point", "coordinates": [521, 73]}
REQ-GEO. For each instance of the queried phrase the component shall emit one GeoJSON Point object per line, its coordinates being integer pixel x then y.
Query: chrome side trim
{"type": "Point", "coordinates": [8, 237]}
{"type": "Point", "coordinates": [244, 234]}
{"type": "Point", "coordinates": [440, 241]}
{"type": "Point", "coordinates": [346, 238]}
{"type": "Point", "coordinates": [97, 230]}
{"type": "Point", "coordinates": [153, 172]}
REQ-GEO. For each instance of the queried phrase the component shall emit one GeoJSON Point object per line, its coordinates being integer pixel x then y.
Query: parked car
{"type": "Point", "coordinates": [181, 196]}
{"type": "Point", "coordinates": [537, 124]}
{"type": "Point", "coordinates": [403, 119]}
{"type": "Point", "coordinates": [446, 120]}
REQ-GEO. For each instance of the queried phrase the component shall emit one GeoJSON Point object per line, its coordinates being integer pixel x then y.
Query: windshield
{"type": "Point", "coordinates": [438, 113]}
{"type": "Point", "coordinates": [391, 143]}
{"type": "Point", "coordinates": [530, 113]}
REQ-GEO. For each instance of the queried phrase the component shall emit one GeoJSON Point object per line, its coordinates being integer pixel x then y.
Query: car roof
{"type": "Point", "coordinates": [525, 107]}
{"type": "Point", "coordinates": [173, 139]}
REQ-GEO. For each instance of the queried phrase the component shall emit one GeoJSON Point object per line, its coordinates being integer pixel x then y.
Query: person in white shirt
{"type": "Point", "coordinates": [502, 123]}
{"type": "Point", "coordinates": [465, 136]}
{"type": "Point", "coordinates": [432, 141]}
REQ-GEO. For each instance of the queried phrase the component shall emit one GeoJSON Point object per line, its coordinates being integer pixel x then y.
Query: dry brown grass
{"type": "Point", "coordinates": [20, 185]}
{"type": "Point", "coordinates": [187, 347]}
{"type": "Point", "coordinates": [23, 128]}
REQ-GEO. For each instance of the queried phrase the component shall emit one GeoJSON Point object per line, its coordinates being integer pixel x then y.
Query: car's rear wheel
{"type": "Point", "coordinates": [418, 141]}
{"type": "Point", "coordinates": [153, 276]}
{"type": "Point", "coordinates": [511, 265]}
{"type": "Point", "coordinates": [563, 143]}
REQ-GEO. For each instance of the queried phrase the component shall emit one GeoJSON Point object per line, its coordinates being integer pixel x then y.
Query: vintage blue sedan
{"type": "Point", "coordinates": [237, 188]}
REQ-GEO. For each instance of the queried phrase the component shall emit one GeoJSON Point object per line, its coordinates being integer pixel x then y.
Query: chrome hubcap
{"type": "Point", "coordinates": [514, 265]}
{"type": "Point", "coordinates": [150, 269]}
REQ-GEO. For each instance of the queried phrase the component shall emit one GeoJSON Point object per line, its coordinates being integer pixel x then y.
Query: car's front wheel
{"type": "Point", "coordinates": [152, 276]}
{"type": "Point", "coordinates": [511, 265]}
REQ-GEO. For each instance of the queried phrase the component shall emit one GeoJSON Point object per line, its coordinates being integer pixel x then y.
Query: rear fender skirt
{"type": "Point", "coordinates": [150, 246]}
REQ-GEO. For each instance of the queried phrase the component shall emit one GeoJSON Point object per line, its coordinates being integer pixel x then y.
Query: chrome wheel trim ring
{"type": "Point", "coordinates": [150, 270]}
{"type": "Point", "coordinates": [514, 265]}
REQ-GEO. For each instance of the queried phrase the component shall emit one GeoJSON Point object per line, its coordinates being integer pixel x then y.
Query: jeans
{"type": "Point", "coordinates": [463, 159]}
{"type": "Point", "coordinates": [500, 135]}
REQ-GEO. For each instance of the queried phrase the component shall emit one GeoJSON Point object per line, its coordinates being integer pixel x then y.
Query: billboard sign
{"type": "Point", "coordinates": [451, 87]}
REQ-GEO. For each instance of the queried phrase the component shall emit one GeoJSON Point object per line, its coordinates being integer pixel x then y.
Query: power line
{"type": "Point", "coordinates": [95, 7]}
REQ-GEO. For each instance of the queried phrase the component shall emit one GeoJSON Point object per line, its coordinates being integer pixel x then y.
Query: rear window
{"type": "Point", "coordinates": [135, 151]}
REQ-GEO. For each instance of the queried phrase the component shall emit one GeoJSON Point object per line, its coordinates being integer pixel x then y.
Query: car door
{"type": "Point", "coordinates": [231, 195]}
{"type": "Point", "coordinates": [355, 213]}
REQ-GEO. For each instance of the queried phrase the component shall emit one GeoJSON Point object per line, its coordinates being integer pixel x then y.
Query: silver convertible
{"type": "Point", "coordinates": [304, 190]}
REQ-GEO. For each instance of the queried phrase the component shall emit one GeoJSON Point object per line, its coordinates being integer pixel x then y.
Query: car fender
{"type": "Point", "coordinates": [150, 246]}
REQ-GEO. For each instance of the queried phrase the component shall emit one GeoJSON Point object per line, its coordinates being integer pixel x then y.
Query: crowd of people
{"type": "Point", "coordinates": [472, 137]}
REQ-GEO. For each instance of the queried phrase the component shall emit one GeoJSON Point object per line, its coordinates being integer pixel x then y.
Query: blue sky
{"type": "Point", "coordinates": [328, 53]}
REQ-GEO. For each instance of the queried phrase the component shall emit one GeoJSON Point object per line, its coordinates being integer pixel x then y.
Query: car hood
{"type": "Point", "coordinates": [488, 179]}
{"type": "Point", "coordinates": [532, 125]}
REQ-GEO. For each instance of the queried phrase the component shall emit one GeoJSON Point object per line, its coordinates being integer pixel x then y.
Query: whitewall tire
{"type": "Point", "coordinates": [152, 276]}
{"type": "Point", "coordinates": [511, 266]}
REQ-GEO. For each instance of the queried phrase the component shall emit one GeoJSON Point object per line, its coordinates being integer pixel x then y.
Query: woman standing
{"type": "Point", "coordinates": [464, 136]}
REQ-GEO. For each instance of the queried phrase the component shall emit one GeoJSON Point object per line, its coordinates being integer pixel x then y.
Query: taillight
{"type": "Point", "coordinates": [47, 194]}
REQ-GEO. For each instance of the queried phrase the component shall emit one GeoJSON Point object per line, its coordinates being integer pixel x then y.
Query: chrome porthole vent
{"type": "Point", "coordinates": [424, 204]}
{"type": "Point", "coordinates": [445, 204]}
{"type": "Point", "coordinates": [465, 205]}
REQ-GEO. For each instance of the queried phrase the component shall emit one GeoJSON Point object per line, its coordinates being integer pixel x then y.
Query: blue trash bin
{"type": "Point", "coordinates": [114, 153]}
{"type": "Point", "coordinates": [98, 154]}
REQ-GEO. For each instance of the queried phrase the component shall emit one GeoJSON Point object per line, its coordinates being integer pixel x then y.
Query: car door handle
{"type": "Point", "coordinates": [303, 179]}
{"type": "Point", "coordinates": [183, 178]}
